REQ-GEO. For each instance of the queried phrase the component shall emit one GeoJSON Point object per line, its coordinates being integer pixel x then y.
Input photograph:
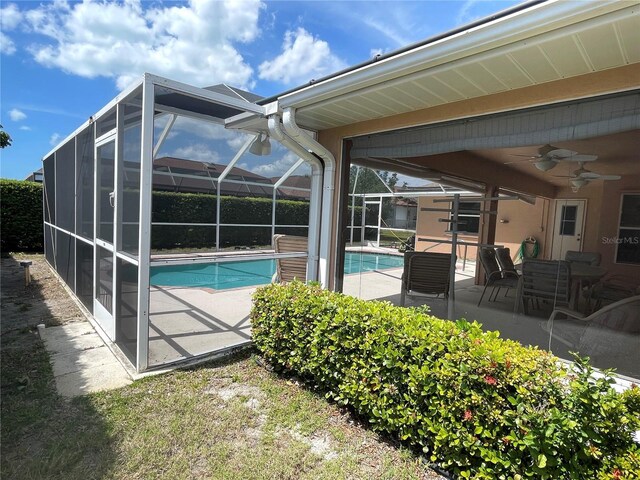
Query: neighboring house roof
{"type": "Point", "coordinates": [35, 176]}
{"type": "Point", "coordinates": [290, 188]}
{"type": "Point", "coordinates": [182, 175]}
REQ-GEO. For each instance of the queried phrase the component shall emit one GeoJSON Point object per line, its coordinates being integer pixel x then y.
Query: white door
{"type": "Point", "coordinates": [105, 155]}
{"type": "Point", "coordinates": [568, 227]}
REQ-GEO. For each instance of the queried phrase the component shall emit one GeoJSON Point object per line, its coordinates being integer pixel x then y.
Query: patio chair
{"type": "Point", "coordinates": [589, 258]}
{"type": "Point", "coordinates": [609, 336]}
{"type": "Point", "coordinates": [425, 273]}
{"type": "Point", "coordinates": [546, 280]}
{"type": "Point", "coordinates": [503, 255]}
{"type": "Point", "coordinates": [289, 269]}
{"type": "Point", "coordinates": [495, 276]}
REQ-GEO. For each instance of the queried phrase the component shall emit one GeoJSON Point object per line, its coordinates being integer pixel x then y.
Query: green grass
{"type": "Point", "coordinates": [225, 420]}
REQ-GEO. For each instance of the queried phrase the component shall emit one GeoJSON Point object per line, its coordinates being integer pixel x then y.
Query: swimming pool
{"type": "Point", "coordinates": [221, 276]}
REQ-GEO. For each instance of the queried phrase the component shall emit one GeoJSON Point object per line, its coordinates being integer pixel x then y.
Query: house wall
{"type": "Point", "coordinates": [609, 217]}
{"type": "Point", "coordinates": [592, 84]}
{"type": "Point", "coordinates": [427, 226]}
{"type": "Point", "coordinates": [601, 219]}
{"type": "Point", "coordinates": [521, 221]}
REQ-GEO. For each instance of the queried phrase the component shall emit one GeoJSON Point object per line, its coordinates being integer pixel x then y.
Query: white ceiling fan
{"type": "Point", "coordinates": [581, 177]}
{"type": "Point", "coordinates": [549, 156]}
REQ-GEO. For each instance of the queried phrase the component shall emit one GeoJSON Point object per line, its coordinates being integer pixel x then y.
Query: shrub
{"type": "Point", "coordinates": [21, 216]}
{"type": "Point", "coordinates": [481, 406]}
{"type": "Point", "coordinates": [173, 207]}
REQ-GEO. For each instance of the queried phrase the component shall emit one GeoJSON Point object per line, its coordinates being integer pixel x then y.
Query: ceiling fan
{"type": "Point", "coordinates": [581, 177]}
{"type": "Point", "coordinates": [549, 156]}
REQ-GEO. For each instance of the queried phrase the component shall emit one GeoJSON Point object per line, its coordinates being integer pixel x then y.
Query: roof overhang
{"type": "Point", "coordinates": [549, 41]}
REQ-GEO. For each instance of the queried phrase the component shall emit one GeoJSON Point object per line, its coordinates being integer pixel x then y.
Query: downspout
{"type": "Point", "coordinates": [294, 131]}
{"type": "Point", "coordinates": [315, 205]}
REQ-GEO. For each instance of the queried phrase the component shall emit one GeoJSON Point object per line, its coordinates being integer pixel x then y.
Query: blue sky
{"type": "Point", "coordinates": [62, 61]}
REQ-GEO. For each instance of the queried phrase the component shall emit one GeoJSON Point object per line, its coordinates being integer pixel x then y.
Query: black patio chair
{"type": "Point", "coordinates": [425, 273]}
{"type": "Point", "coordinates": [495, 277]}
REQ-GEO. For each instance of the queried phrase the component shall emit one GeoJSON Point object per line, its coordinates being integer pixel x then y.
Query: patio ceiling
{"type": "Point", "coordinates": [547, 42]}
{"type": "Point", "coordinates": [617, 155]}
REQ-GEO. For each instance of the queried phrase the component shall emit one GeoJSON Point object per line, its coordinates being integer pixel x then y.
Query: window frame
{"type": "Point", "coordinates": [464, 231]}
{"type": "Point", "coordinates": [619, 227]}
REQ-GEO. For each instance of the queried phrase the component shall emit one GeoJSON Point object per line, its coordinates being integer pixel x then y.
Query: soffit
{"type": "Point", "coordinates": [604, 41]}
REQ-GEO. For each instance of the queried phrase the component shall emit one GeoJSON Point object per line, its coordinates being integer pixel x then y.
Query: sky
{"type": "Point", "coordinates": [62, 61]}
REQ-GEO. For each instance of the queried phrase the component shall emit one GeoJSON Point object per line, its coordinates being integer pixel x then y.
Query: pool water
{"type": "Point", "coordinates": [220, 276]}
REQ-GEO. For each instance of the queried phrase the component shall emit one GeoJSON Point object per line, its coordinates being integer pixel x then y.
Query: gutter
{"type": "Point", "coordinates": [295, 132]}
{"type": "Point", "coordinates": [315, 205]}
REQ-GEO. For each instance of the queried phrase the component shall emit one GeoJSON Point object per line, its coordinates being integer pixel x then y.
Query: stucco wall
{"type": "Point", "coordinates": [609, 218]}
{"type": "Point", "coordinates": [521, 221]}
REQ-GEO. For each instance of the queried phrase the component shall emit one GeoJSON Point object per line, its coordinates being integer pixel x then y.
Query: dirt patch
{"type": "Point", "coordinates": [23, 307]}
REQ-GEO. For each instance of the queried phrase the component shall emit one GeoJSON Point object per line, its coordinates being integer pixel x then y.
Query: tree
{"type": "Point", "coordinates": [5, 139]}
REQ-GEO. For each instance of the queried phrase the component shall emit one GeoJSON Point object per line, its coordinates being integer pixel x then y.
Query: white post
{"type": "Point", "coordinates": [353, 204]}
{"type": "Point", "coordinates": [454, 249]}
{"type": "Point", "coordinates": [144, 249]}
{"type": "Point", "coordinates": [379, 221]}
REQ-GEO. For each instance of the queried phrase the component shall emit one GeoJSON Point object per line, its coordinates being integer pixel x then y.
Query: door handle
{"type": "Point", "coordinates": [112, 199]}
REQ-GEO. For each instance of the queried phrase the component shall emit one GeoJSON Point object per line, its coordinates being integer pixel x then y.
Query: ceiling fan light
{"type": "Point", "coordinates": [545, 165]}
{"type": "Point", "coordinates": [579, 182]}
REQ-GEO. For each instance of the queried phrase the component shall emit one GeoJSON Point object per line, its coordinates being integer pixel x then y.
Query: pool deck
{"type": "Point", "coordinates": [186, 322]}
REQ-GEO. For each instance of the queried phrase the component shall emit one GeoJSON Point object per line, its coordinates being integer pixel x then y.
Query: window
{"type": "Point", "coordinates": [468, 221]}
{"type": "Point", "coordinates": [568, 220]}
{"type": "Point", "coordinates": [628, 240]}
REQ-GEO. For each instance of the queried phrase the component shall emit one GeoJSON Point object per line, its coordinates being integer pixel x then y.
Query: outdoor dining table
{"type": "Point", "coordinates": [582, 273]}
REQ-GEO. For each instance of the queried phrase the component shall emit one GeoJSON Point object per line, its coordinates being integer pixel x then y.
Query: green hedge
{"type": "Point", "coordinates": [480, 406]}
{"type": "Point", "coordinates": [201, 208]}
{"type": "Point", "coordinates": [21, 216]}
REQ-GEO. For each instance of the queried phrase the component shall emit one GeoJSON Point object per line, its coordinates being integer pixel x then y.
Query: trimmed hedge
{"type": "Point", "coordinates": [480, 406]}
{"type": "Point", "coordinates": [201, 208]}
{"type": "Point", "coordinates": [21, 216]}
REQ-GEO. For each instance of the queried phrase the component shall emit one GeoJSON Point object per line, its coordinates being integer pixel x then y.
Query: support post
{"type": "Point", "coordinates": [487, 233]}
{"type": "Point", "coordinates": [454, 249]}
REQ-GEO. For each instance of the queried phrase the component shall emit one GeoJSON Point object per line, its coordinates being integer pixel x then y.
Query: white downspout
{"type": "Point", "coordinates": [315, 200]}
{"type": "Point", "coordinates": [296, 133]}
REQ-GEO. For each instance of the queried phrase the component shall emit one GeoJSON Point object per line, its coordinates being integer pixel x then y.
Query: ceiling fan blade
{"type": "Point", "coordinates": [564, 176]}
{"type": "Point", "coordinates": [610, 177]}
{"type": "Point", "coordinates": [560, 153]}
{"type": "Point", "coordinates": [578, 158]}
{"type": "Point", "coordinates": [524, 155]}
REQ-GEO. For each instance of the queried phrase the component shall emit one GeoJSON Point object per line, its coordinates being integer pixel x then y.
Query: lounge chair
{"type": "Point", "coordinates": [495, 276]}
{"type": "Point", "coordinates": [546, 280]}
{"type": "Point", "coordinates": [425, 273]}
{"type": "Point", "coordinates": [289, 269]}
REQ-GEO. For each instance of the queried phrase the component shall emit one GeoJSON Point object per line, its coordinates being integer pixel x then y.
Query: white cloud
{"type": "Point", "coordinates": [275, 168]}
{"type": "Point", "coordinates": [199, 152]}
{"type": "Point", "coordinates": [193, 43]}
{"type": "Point", "coordinates": [6, 45]}
{"type": "Point", "coordinates": [55, 139]}
{"type": "Point", "coordinates": [465, 14]}
{"type": "Point", "coordinates": [17, 115]}
{"type": "Point", "coordinates": [25, 128]}
{"type": "Point", "coordinates": [303, 58]}
{"type": "Point", "coordinates": [10, 17]}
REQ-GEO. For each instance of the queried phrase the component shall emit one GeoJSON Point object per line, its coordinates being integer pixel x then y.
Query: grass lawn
{"type": "Point", "coordinates": [224, 421]}
{"type": "Point", "coordinates": [230, 419]}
